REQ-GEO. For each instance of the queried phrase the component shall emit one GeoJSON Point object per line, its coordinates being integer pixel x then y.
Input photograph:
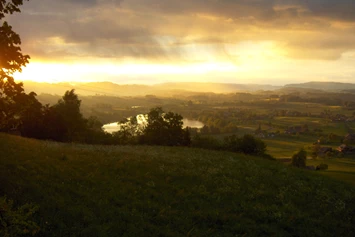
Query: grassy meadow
{"type": "Point", "coordinates": [84, 190]}
{"type": "Point", "coordinates": [284, 146]}
{"type": "Point", "coordinates": [338, 168]}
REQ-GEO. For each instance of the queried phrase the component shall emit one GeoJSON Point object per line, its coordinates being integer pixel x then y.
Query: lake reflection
{"type": "Point", "coordinates": [114, 127]}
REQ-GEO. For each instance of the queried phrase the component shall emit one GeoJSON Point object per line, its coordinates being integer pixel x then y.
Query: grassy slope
{"type": "Point", "coordinates": [284, 146]}
{"type": "Point", "coordinates": [157, 191]}
{"type": "Point", "coordinates": [339, 168]}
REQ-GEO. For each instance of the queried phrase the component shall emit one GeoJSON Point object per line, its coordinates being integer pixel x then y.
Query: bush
{"type": "Point", "coordinates": [299, 159]}
{"type": "Point", "coordinates": [247, 144]}
{"type": "Point", "coordinates": [322, 167]}
{"type": "Point", "coordinates": [206, 142]}
{"type": "Point", "coordinates": [17, 222]}
{"type": "Point", "coordinates": [268, 157]}
{"type": "Point", "coordinates": [252, 146]}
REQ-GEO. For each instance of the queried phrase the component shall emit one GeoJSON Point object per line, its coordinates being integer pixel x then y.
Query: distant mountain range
{"type": "Point", "coordinates": [175, 88]}
{"type": "Point", "coordinates": [167, 89]}
{"type": "Point", "coordinates": [326, 86]}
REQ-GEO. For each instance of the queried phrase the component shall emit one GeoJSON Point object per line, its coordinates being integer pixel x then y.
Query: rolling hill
{"type": "Point", "coordinates": [84, 190]}
{"type": "Point", "coordinates": [327, 86]}
{"type": "Point", "coordinates": [164, 89]}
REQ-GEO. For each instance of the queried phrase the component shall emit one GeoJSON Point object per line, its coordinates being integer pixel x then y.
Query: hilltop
{"type": "Point", "coordinates": [326, 86]}
{"type": "Point", "coordinates": [85, 190]}
{"type": "Point", "coordinates": [178, 88]}
{"type": "Point", "coordinates": [164, 89]}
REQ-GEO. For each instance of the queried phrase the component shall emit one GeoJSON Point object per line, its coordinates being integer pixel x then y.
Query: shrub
{"type": "Point", "coordinates": [252, 145]}
{"type": "Point", "coordinates": [268, 157]}
{"type": "Point", "coordinates": [17, 222]}
{"type": "Point", "coordinates": [299, 159]}
{"type": "Point", "coordinates": [322, 167]}
{"type": "Point", "coordinates": [206, 142]}
{"type": "Point", "coordinates": [231, 143]}
{"type": "Point", "coordinates": [247, 144]}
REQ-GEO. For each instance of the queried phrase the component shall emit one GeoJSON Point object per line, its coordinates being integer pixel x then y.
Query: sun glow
{"type": "Point", "coordinates": [54, 73]}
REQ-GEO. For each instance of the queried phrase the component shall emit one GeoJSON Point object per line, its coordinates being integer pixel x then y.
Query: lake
{"type": "Point", "coordinates": [114, 127]}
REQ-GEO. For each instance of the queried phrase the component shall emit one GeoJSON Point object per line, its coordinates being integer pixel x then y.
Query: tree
{"type": "Point", "coordinates": [17, 221]}
{"type": "Point", "coordinates": [11, 60]}
{"type": "Point", "coordinates": [165, 129]}
{"type": "Point", "coordinates": [315, 150]}
{"type": "Point", "coordinates": [299, 159]}
{"type": "Point", "coordinates": [53, 127]}
{"type": "Point", "coordinates": [68, 110]}
{"type": "Point", "coordinates": [129, 131]}
{"type": "Point", "coordinates": [31, 115]}
{"type": "Point", "coordinates": [247, 144]}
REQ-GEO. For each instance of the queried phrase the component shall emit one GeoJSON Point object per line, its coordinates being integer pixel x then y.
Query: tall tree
{"type": "Point", "coordinates": [11, 60]}
{"type": "Point", "coordinates": [68, 110]}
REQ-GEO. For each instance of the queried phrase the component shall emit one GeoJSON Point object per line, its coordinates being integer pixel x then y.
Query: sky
{"type": "Point", "coordinates": [154, 41]}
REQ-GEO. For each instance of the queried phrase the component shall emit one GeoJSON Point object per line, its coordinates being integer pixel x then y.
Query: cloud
{"type": "Point", "coordinates": [339, 10]}
{"type": "Point", "coordinates": [175, 30]}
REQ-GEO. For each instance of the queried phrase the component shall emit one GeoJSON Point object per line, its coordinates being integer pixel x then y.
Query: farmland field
{"type": "Point", "coordinates": [339, 168]}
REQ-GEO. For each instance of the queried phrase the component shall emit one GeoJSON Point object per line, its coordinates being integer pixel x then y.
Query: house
{"type": "Point", "coordinates": [345, 148]}
{"type": "Point", "coordinates": [260, 135]}
{"type": "Point", "coordinates": [339, 118]}
{"type": "Point", "coordinates": [323, 151]}
{"type": "Point", "coordinates": [294, 130]}
{"type": "Point", "coordinates": [349, 138]}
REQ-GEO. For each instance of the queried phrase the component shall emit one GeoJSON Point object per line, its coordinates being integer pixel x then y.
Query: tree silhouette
{"type": "Point", "coordinates": [299, 159]}
{"type": "Point", "coordinates": [165, 129]}
{"type": "Point", "coordinates": [11, 61]}
{"type": "Point", "coordinates": [68, 110]}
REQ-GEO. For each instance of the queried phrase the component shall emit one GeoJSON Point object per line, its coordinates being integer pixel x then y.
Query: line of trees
{"type": "Point", "coordinates": [247, 144]}
{"type": "Point", "coordinates": [64, 122]}
{"type": "Point", "coordinates": [163, 129]}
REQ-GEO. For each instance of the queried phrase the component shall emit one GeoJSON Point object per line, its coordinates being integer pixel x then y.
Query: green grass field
{"type": "Point", "coordinates": [293, 121]}
{"type": "Point", "coordinates": [338, 168]}
{"type": "Point", "coordinates": [84, 190]}
{"type": "Point", "coordinates": [284, 146]}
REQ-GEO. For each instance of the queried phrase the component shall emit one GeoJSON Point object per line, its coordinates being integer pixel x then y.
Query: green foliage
{"type": "Point", "coordinates": [9, 7]}
{"type": "Point", "coordinates": [64, 122]}
{"type": "Point", "coordinates": [206, 142]}
{"type": "Point", "coordinates": [129, 132]}
{"type": "Point", "coordinates": [12, 59]}
{"type": "Point", "coordinates": [18, 110]}
{"type": "Point", "coordinates": [322, 167]}
{"type": "Point", "coordinates": [247, 144]}
{"type": "Point", "coordinates": [315, 150]}
{"type": "Point", "coordinates": [164, 129]}
{"type": "Point", "coordinates": [17, 221]}
{"type": "Point", "coordinates": [299, 159]}
{"type": "Point", "coordinates": [68, 108]}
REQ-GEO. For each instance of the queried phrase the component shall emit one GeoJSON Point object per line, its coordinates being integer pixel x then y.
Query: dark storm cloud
{"type": "Point", "coordinates": [225, 8]}
{"type": "Point", "coordinates": [259, 9]}
{"type": "Point", "coordinates": [334, 9]}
